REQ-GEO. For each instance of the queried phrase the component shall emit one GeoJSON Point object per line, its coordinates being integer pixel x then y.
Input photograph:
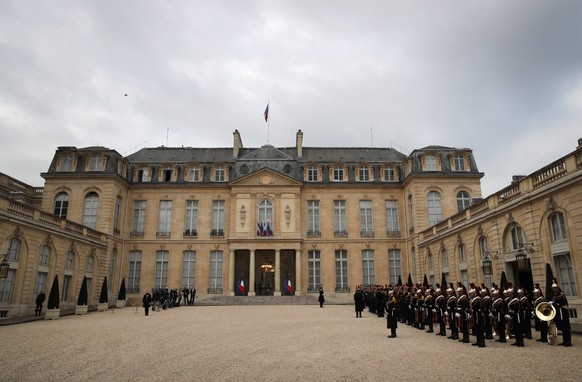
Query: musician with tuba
{"type": "Point", "coordinates": [560, 302]}
{"type": "Point", "coordinates": [451, 312]}
{"type": "Point", "coordinates": [540, 325]}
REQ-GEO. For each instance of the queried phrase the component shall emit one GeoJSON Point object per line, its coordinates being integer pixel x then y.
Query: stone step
{"type": "Point", "coordinates": [257, 300]}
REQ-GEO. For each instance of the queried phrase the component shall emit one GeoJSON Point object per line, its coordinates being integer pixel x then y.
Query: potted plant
{"type": "Point", "coordinates": [83, 297]}
{"type": "Point", "coordinates": [121, 295]}
{"type": "Point", "coordinates": [103, 299]}
{"type": "Point", "coordinates": [53, 305]}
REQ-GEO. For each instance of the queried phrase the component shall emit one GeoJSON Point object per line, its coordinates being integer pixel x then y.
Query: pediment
{"type": "Point", "coordinates": [265, 177]}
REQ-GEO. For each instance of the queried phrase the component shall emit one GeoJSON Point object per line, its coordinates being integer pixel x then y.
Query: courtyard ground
{"type": "Point", "coordinates": [262, 343]}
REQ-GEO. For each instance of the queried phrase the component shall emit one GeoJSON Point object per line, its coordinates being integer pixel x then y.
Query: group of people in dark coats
{"type": "Point", "coordinates": [166, 298]}
{"type": "Point", "coordinates": [479, 311]}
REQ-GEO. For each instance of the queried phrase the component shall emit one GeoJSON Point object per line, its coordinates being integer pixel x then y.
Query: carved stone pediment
{"type": "Point", "coordinates": [265, 177]}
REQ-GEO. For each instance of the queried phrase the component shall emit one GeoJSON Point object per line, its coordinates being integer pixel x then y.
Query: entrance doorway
{"type": "Point", "coordinates": [523, 278]}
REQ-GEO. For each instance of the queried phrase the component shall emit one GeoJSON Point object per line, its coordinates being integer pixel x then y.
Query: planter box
{"type": "Point", "coordinates": [52, 314]}
{"type": "Point", "coordinates": [81, 309]}
{"type": "Point", "coordinates": [102, 307]}
{"type": "Point", "coordinates": [120, 304]}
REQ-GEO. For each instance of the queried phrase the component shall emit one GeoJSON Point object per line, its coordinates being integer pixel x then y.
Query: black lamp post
{"type": "Point", "coordinates": [486, 262]}
{"type": "Point", "coordinates": [4, 266]}
{"type": "Point", "coordinates": [521, 256]}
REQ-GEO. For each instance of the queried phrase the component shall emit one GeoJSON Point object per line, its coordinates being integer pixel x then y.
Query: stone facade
{"type": "Point", "coordinates": [280, 220]}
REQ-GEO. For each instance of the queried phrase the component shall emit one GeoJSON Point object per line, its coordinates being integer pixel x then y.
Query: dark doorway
{"type": "Point", "coordinates": [523, 278]}
{"type": "Point", "coordinates": [241, 272]}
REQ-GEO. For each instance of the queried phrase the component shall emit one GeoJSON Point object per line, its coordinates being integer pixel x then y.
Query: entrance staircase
{"type": "Point", "coordinates": [257, 300]}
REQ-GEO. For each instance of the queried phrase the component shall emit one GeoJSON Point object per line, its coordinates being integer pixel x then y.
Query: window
{"type": "Point", "coordinates": [90, 210]}
{"type": "Point", "coordinates": [161, 276]}
{"type": "Point", "coordinates": [312, 174]}
{"type": "Point", "coordinates": [459, 164]}
{"type": "Point", "coordinates": [96, 163]}
{"type": "Point", "coordinates": [117, 214]}
{"type": "Point", "coordinates": [70, 260]}
{"type": "Point", "coordinates": [364, 174]}
{"type": "Point", "coordinates": [463, 201]}
{"type": "Point", "coordinates": [392, 217]}
{"type": "Point", "coordinates": [566, 274]}
{"type": "Point", "coordinates": [194, 174]}
{"type": "Point", "coordinates": [217, 218]}
{"type": "Point", "coordinates": [445, 258]}
{"type": "Point", "coordinates": [45, 256]}
{"type": "Point", "coordinates": [389, 175]}
{"type": "Point", "coordinates": [134, 272]}
{"type": "Point", "coordinates": [188, 269]}
{"type": "Point", "coordinates": [338, 174]}
{"type": "Point", "coordinates": [435, 214]}
{"type": "Point", "coordinates": [366, 224]}
{"type": "Point", "coordinates": [414, 262]}
{"type": "Point", "coordinates": [68, 279]}
{"type": "Point", "coordinates": [41, 282]}
{"type": "Point", "coordinates": [558, 227]}
{"type": "Point", "coordinates": [462, 254]}
{"type": "Point", "coordinates": [191, 219]}
{"type": "Point", "coordinates": [165, 218]}
{"type": "Point", "coordinates": [313, 270]}
{"type": "Point", "coordinates": [339, 218]}
{"type": "Point", "coordinates": [430, 163]}
{"type": "Point", "coordinates": [465, 276]}
{"type": "Point", "coordinates": [143, 175]}
{"type": "Point", "coordinates": [112, 268]}
{"type": "Point", "coordinates": [394, 267]}
{"type": "Point", "coordinates": [219, 174]}
{"type": "Point", "coordinates": [67, 163]}
{"type": "Point", "coordinates": [167, 175]}
{"type": "Point", "coordinates": [215, 277]}
{"type": "Point", "coordinates": [90, 263]}
{"type": "Point", "coordinates": [265, 218]}
{"type": "Point", "coordinates": [139, 211]}
{"type": "Point", "coordinates": [483, 246]}
{"type": "Point", "coordinates": [368, 274]}
{"type": "Point", "coordinates": [430, 262]}
{"type": "Point", "coordinates": [13, 250]}
{"type": "Point", "coordinates": [6, 286]}
{"type": "Point", "coordinates": [61, 205]}
{"type": "Point", "coordinates": [313, 218]}
{"type": "Point", "coordinates": [517, 237]}
{"type": "Point", "coordinates": [341, 271]}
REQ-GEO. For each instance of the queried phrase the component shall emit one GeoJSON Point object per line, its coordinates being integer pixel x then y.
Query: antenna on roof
{"type": "Point", "coordinates": [371, 138]}
{"type": "Point", "coordinates": [167, 132]}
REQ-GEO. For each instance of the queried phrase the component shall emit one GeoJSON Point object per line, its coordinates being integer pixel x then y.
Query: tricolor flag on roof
{"type": "Point", "coordinates": [266, 113]}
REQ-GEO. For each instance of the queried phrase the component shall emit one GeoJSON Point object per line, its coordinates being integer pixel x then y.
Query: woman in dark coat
{"type": "Point", "coordinates": [321, 299]}
{"type": "Point", "coordinates": [359, 302]}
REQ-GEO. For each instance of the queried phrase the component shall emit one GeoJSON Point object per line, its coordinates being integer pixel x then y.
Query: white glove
{"type": "Point", "coordinates": [508, 317]}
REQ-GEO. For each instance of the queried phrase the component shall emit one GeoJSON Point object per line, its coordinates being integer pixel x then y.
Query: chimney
{"type": "Point", "coordinates": [237, 144]}
{"type": "Point", "coordinates": [579, 143]}
{"type": "Point", "coordinates": [299, 144]}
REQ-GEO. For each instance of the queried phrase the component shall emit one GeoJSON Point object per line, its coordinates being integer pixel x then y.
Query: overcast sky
{"type": "Point", "coordinates": [503, 78]}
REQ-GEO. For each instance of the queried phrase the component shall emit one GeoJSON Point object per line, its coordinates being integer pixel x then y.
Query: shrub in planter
{"type": "Point", "coordinates": [121, 295]}
{"type": "Point", "coordinates": [103, 299]}
{"type": "Point", "coordinates": [52, 306]}
{"type": "Point", "coordinates": [82, 307]}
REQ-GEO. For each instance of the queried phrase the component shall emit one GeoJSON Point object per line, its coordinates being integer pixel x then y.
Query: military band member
{"type": "Point", "coordinates": [451, 311]}
{"type": "Point", "coordinates": [540, 325]}
{"type": "Point", "coordinates": [428, 309]}
{"type": "Point", "coordinates": [420, 317]}
{"type": "Point", "coordinates": [409, 309]}
{"type": "Point", "coordinates": [514, 314]}
{"type": "Point", "coordinates": [391, 314]}
{"type": "Point", "coordinates": [498, 311]}
{"type": "Point", "coordinates": [440, 309]}
{"type": "Point", "coordinates": [380, 302]}
{"type": "Point", "coordinates": [477, 317]}
{"type": "Point", "coordinates": [525, 310]}
{"type": "Point", "coordinates": [560, 302]}
{"type": "Point", "coordinates": [462, 312]}
{"type": "Point", "coordinates": [487, 302]}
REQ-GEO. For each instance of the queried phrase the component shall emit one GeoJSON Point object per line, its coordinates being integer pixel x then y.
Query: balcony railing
{"type": "Point", "coordinates": [340, 233]}
{"type": "Point", "coordinates": [217, 232]}
{"type": "Point", "coordinates": [367, 233]}
{"type": "Point", "coordinates": [392, 233]}
{"type": "Point", "coordinates": [190, 233]}
{"type": "Point", "coordinates": [313, 233]}
{"type": "Point", "coordinates": [136, 234]}
{"type": "Point", "coordinates": [163, 233]}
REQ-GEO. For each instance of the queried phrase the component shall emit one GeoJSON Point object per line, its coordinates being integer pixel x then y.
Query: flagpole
{"type": "Point", "coordinates": [268, 122]}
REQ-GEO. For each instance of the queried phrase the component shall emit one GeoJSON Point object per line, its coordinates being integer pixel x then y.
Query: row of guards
{"type": "Point", "coordinates": [288, 286]}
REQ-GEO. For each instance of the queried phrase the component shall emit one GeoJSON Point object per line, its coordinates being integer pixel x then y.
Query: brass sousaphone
{"type": "Point", "coordinates": [546, 312]}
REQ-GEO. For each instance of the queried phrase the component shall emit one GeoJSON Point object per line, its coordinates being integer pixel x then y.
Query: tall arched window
{"type": "Point", "coordinates": [90, 210]}
{"type": "Point", "coordinates": [463, 201]}
{"type": "Point", "coordinates": [435, 213]}
{"type": "Point", "coordinates": [265, 218]}
{"type": "Point", "coordinates": [445, 263]}
{"type": "Point", "coordinates": [430, 262]}
{"type": "Point", "coordinates": [558, 226]}
{"type": "Point", "coordinates": [561, 253]}
{"type": "Point", "coordinates": [61, 205]}
{"type": "Point", "coordinates": [462, 253]}
{"type": "Point", "coordinates": [43, 268]}
{"type": "Point", "coordinates": [516, 238]}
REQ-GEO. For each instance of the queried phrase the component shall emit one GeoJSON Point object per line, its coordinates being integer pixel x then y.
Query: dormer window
{"type": "Point", "coordinates": [312, 174]}
{"type": "Point", "coordinates": [67, 163]}
{"type": "Point", "coordinates": [430, 163]}
{"type": "Point", "coordinates": [364, 173]}
{"type": "Point", "coordinates": [389, 175]}
{"type": "Point", "coordinates": [459, 162]}
{"type": "Point", "coordinates": [194, 174]}
{"type": "Point", "coordinates": [338, 174]}
{"type": "Point", "coordinates": [96, 163]}
{"type": "Point", "coordinates": [143, 175]}
{"type": "Point", "coordinates": [167, 175]}
{"type": "Point", "coordinates": [219, 174]}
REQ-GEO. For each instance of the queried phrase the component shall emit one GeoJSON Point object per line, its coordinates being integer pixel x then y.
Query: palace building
{"type": "Point", "coordinates": [282, 221]}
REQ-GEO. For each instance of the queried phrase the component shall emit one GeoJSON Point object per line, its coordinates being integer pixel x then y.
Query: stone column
{"type": "Point", "coordinates": [252, 273]}
{"type": "Point", "coordinates": [277, 273]}
{"type": "Point", "coordinates": [230, 286]}
{"type": "Point", "coordinates": [298, 288]}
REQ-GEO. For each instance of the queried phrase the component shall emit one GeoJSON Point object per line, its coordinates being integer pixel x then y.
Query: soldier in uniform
{"type": "Point", "coordinates": [380, 302]}
{"type": "Point", "coordinates": [486, 301]}
{"type": "Point", "coordinates": [540, 325]}
{"type": "Point", "coordinates": [413, 307]}
{"type": "Point", "coordinates": [440, 308]}
{"type": "Point", "coordinates": [391, 314]}
{"type": "Point", "coordinates": [477, 316]}
{"type": "Point", "coordinates": [420, 309]}
{"type": "Point", "coordinates": [525, 309]}
{"type": "Point", "coordinates": [462, 312]}
{"type": "Point", "coordinates": [498, 314]}
{"type": "Point", "coordinates": [514, 313]}
{"type": "Point", "coordinates": [560, 302]}
{"type": "Point", "coordinates": [451, 312]}
{"type": "Point", "coordinates": [428, 308]}
{"type": "Point", "coordinates": [359, 303]}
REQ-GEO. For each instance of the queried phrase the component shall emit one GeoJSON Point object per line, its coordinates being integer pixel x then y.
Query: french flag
{"type": "Point", "coordinates": [289, 287]}
{"type": "Point", "coordinates": [241, 286]}
{"type": "Point", "coordinates": [266, 114]}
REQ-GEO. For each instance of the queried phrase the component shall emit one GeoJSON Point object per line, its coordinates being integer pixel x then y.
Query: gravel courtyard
{"type": "Point", "coordinates": [262, 343]}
